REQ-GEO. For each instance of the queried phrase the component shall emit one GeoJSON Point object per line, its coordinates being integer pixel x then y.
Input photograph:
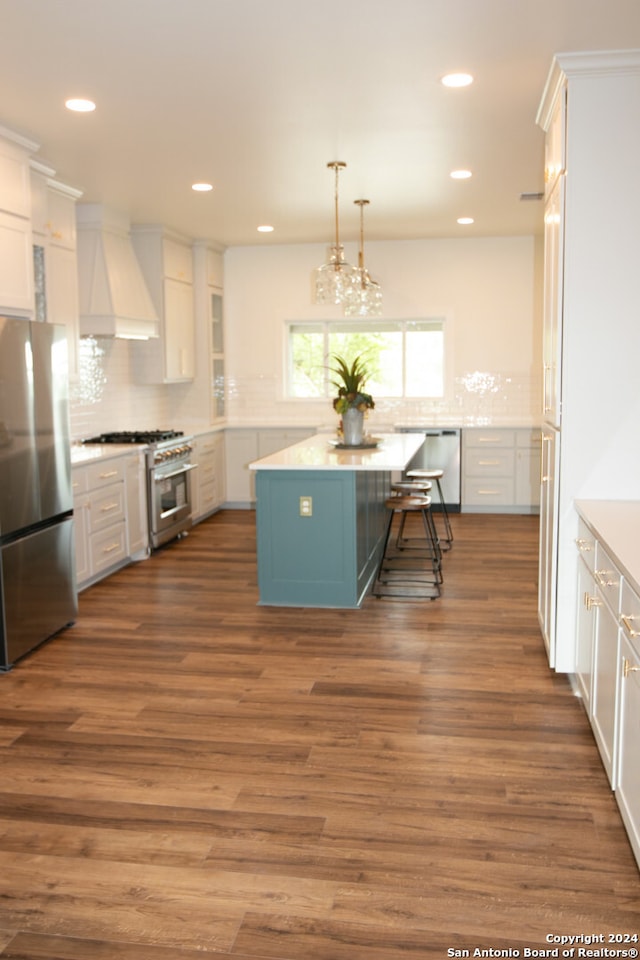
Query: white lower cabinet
{"type": "Point", "coordinates": [588, 603]}
{"type": "Point", "coordinates": [628, 785]}
{"type": "Point", "coordinates": [104, 502]}
{"type": "Point", "coordinates": [607, 670]}
{"type": "Point", "coordinates": [208, 486]}
{"type": "Point", "coordinates": [500, 470]}
{"type": "Point", "coordinates": [604, 683]}
{"type": "Point", "coordinates": [243, 446]}
{"type": "Point", "coordinates": [137, 518]}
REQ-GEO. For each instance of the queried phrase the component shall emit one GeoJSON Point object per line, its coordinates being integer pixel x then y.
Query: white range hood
{"type": "Point", "coordinates": [114, 299]}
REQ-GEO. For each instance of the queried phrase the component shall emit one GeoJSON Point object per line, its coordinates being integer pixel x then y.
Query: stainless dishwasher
{"type": "Point", "coordinates": [440, 451]}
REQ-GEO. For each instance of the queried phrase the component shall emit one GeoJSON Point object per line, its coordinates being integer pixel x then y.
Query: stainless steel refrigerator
{"type": "Point", "coordinates": [38, 595]}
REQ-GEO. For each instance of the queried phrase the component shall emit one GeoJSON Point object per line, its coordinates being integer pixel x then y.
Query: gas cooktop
{"type": "Point", "coordinates": [136, 436]}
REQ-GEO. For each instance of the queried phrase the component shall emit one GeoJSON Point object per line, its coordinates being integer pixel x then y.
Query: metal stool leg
{"type": "Point", "coordinates": [445, 515]}
{"type": "Point", "coordinates": [415, 573]}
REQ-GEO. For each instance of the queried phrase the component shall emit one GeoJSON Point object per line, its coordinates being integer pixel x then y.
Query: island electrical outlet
{"type": "Point", "coordinates": [306, 506]}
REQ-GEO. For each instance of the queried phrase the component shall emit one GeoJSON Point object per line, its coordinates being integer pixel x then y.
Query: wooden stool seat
{"type": "Point", "coordinates": [411, 486]}
{"type": "Point", "coordinates": [436, 475]}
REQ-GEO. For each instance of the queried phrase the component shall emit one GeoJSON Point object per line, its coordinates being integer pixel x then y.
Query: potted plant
{"type": "Point", "coordinates": [352, 402]}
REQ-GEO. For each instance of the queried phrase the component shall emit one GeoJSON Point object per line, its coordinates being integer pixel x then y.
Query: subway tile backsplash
{"type": "Point", "coordinates": [107, 397]}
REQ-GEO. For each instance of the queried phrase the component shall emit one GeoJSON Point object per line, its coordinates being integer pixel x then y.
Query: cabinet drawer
{"type": "Point", "coordinates": [208, 497]}
{"type": "Point", "coordinates": [106, 472]}
{"type": "Point", "coordinates": [608, 578]}
{"type": "Point", "coordinates": [630, 615]}
{"type": "Point", "coordinates": [489, 463]}
{"type": "Point", "coordinates": [586, 545]}
{"type": "Point", "coordinates": [206, 471]}
{"type": "Point", "coordinates": [79, 481]}
{"type": "Point", "coordinates": [106, 507]}
{"type": "Point", "coordinates": [496, 491]}
{"type": "Point", "coordinates": [108, 547]}
{"type": "Point", "coordinates": [484, 439]}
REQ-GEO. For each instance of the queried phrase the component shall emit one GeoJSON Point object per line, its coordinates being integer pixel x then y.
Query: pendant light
{"type": "Point", "coordinates": [336, 278]}
{"type": "Point", "coordinates": [365, 297]}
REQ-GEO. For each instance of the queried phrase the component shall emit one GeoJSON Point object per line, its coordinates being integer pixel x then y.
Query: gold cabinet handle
{"type": "Point", "coordinates": [108, 507]}
{"type": "Point", "coordinates": [601, 577]}
{"type": "Point", "coordinates": [110, 473]}
{"type": "Point", "coordinates": [585, 546]}
{"type": "Point", "coordinates": [626, 622]}
{"type": "Point", "coordinates": [629, 668]}
{"type": "Point", "coordinates": [590, 601]}
{"type": "Point", "coordinates": [110, 548]}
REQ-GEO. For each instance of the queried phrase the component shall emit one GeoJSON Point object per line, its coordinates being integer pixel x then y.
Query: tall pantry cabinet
{"type": "Point", "coordinates": [589, 111]}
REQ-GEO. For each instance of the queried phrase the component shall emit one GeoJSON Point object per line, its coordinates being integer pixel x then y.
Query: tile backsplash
{"type": "Point", "coordinates": [106, 396]}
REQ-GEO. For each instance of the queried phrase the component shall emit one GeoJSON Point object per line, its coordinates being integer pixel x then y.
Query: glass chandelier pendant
{"type": "Point", "coordinates": [336, 278]}
{"type": "Point", "coordinates": [365, 297]}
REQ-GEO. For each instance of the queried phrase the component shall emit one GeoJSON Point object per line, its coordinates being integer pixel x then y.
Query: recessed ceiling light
{"type": "Point", "coordinates": [265, 228]}
{"type": "Point", "coordinates": [460, 174]}
{"type": "Point", "coordinates": [79, 105]}
{"type": "Point", "coordinates": [457, 80]}
{"type": "Point", "coordinates": [202, 187]}
{"type": "Point", "coordinates": [465, 220]}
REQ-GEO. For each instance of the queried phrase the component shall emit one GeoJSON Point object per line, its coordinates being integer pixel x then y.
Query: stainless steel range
{"type": "Point", "coordinates": [169, 466]}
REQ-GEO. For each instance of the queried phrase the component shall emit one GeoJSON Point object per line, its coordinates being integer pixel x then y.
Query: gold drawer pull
{"type": "Point", "coordinates": [489, 463]}
{"type": "Point", "coordinates": [111, 473]}
{"type": "Point", "coordinates": [590, 601]}
{"type": "Point", "coordinates": [111, 548]}
{"type": "Point", "coordinates": [584, 545]}
{"type": "Point", "coordinates": [630, 668]}
{"type": "Point", "coordinates": [627, 621]}
{"type": "Point", "coordinates": [108, 507]}
{"type": "Point", "coordinates": [601, 577]}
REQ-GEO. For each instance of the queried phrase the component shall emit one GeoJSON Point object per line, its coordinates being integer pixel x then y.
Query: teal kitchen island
{"type": "Point", "coordinates": [321, 518]}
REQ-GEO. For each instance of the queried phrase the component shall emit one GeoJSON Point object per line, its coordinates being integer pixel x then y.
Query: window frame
{"type": "Point", "coordinates": [324, 326]}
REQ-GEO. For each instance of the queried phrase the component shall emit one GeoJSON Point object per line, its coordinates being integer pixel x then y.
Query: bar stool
{"type": "Point", "coordinates": [414, 573]}
{"type": "Point", "coordinates": [420, 488]}
{"type": "Point", "coordinates": [436, 475]}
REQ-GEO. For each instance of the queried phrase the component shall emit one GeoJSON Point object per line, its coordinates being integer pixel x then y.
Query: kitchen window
{"type": "Point", "coordinates": [406, 358]}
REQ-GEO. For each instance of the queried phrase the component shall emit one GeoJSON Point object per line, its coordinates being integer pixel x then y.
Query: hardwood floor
{"type": "Point", "coordinates": [184, 771]}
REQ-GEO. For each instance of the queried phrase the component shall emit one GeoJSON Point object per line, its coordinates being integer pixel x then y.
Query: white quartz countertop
{"type": "Point", "coordinates": [394, 451]}
{"type": "Point", "coordinates": [616, 523]}
{"type": "Point", "coordinates": [91, 452]}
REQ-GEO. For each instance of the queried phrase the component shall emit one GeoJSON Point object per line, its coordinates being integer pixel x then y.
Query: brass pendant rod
{"type": "Point", "coordinates": [337, 165]}
{"type": "Point", "coordinates": [361, 204]}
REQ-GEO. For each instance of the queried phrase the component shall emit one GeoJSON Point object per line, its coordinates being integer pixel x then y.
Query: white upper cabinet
{"type": "Point", "coordinates": [167, 266]}
{"type": "Point", "coordinates": [53, 218]}
{"type": "Point", "coordinates": [16, 255]}
{"type": "Point", "coordinates": [15, 179]}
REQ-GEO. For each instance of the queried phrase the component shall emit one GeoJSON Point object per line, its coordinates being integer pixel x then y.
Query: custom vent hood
{"type": "Point", "coordinates": [114, 300]}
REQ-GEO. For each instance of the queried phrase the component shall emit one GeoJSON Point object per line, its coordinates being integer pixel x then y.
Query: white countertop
{"type": "Point", "coordinates": [90, 452]}
{"type": "Point", "coordinates": [617, 524]}
{"type": "Point", "coordinates": [394, 452]}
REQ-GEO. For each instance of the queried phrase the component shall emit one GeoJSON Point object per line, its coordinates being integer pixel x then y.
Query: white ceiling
{"type": "Point", "coordinates": [257, 96]}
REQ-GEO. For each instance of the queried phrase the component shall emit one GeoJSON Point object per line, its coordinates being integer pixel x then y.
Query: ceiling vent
{"type": "Point", "coordinates": [114, 299]}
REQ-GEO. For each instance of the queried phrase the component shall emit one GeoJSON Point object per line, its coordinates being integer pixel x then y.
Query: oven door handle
{"type": "Point", "coordinates": [176, 473]}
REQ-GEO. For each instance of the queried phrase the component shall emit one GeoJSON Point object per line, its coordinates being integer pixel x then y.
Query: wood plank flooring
{"type": "Point", "coordinates": [185, 771]}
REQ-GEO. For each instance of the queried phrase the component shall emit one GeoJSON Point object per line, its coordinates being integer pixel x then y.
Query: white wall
{"type": "Point", "coordinates": [488, 289]}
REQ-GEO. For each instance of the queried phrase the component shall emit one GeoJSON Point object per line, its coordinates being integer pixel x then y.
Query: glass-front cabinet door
{"type": "Point", "coordinates": [217, 356]}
